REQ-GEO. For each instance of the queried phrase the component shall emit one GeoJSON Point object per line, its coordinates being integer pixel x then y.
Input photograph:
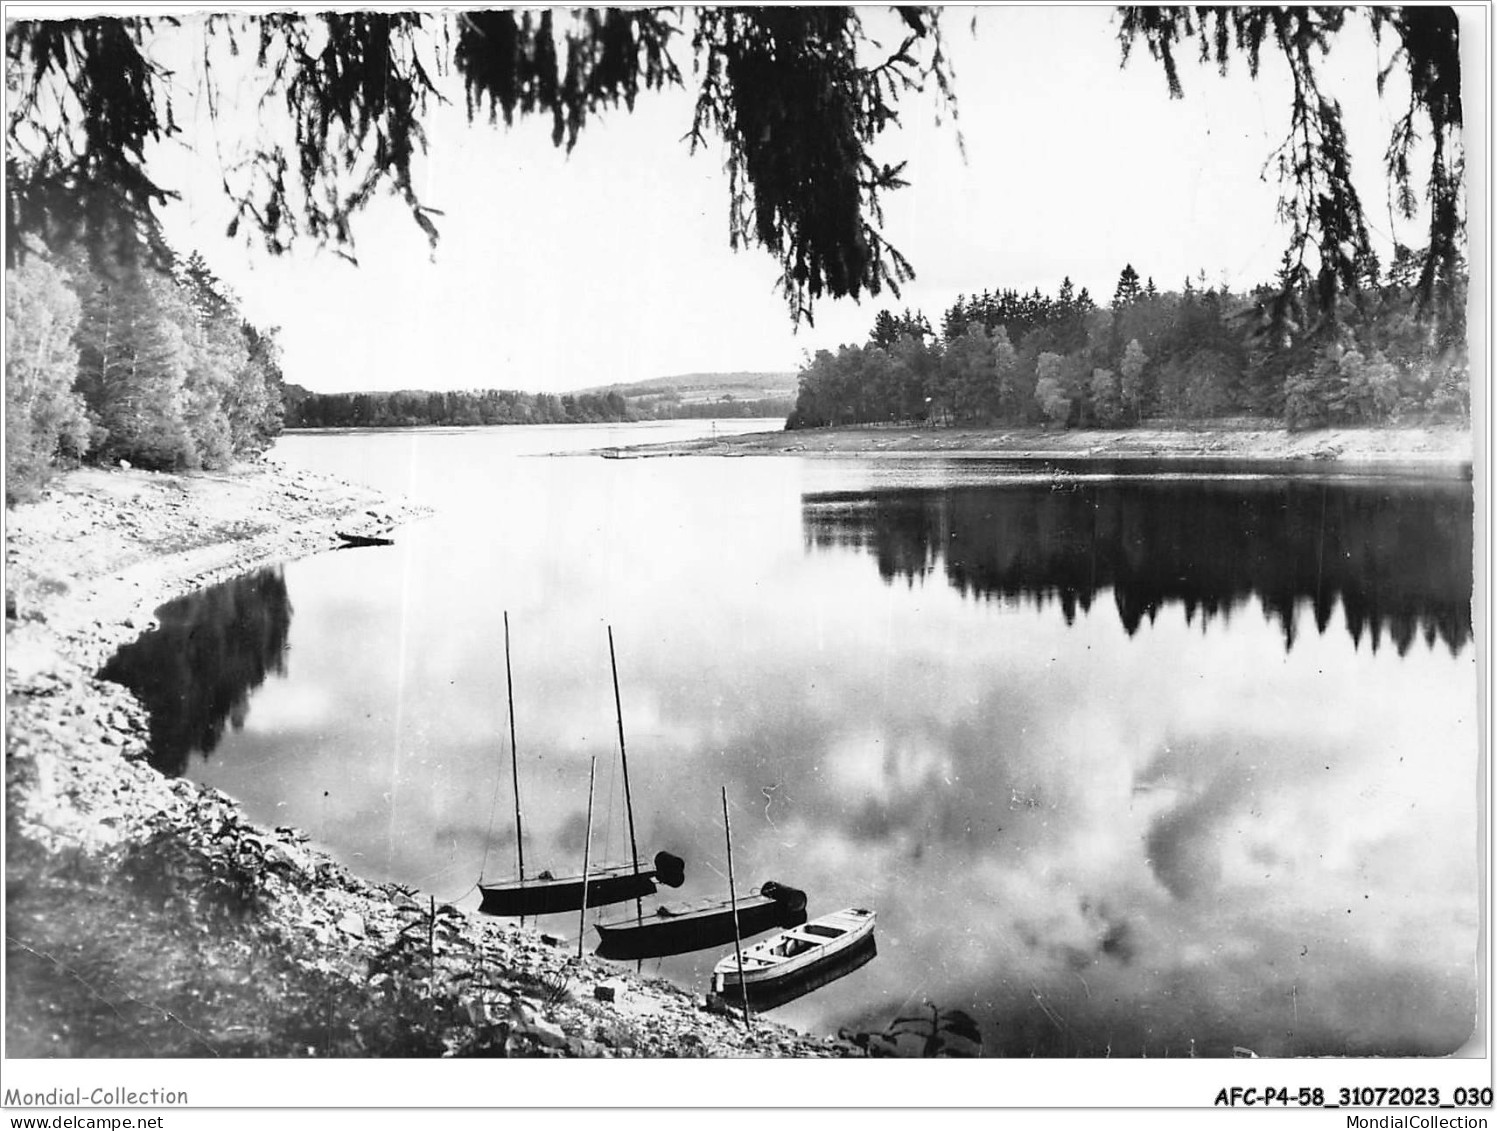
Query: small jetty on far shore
{"type": "Point", "coordinates": [364, 539]}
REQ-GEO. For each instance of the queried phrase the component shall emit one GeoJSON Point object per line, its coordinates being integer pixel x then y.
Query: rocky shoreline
{"type": "Point", "coordinates": [126, 890]}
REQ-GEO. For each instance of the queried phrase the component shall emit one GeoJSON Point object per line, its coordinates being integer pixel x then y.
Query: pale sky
{"type": "Point", "coordinates": [559, 272]}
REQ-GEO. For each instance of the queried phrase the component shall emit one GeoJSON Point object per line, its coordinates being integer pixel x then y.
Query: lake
{"type": "Point", "coordinates": [1127, 765]}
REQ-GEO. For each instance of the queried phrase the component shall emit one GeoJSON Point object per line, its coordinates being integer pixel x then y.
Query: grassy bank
{"type": "Point", "coordinates": [147, 916]}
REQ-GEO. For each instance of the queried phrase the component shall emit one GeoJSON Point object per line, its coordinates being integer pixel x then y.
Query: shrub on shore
{"type": "Point", "coordinates": [45, 418]}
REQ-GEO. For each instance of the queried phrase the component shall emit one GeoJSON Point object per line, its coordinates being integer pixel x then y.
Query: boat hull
{"type": "Point", "coordinates": [696, 928]}
{"type": "Point", "coordinates": [795, 954]}
{"type": "Point", "coordinates": [554, 897]}
{"type": "Point", "coordinates": [763, 997]}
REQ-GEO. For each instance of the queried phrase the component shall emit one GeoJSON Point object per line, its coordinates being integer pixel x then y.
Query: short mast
{"type": "Point", "coordinates": [514, 760]}
{"type": "Point", "coordinates": [587, 847]}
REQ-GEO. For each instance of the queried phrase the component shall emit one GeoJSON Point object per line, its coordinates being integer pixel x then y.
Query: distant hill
{"type": "Point", "coordinates": [697, 388]}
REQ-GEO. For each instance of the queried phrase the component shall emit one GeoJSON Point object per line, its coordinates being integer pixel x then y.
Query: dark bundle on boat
{"type": "Point", "coordinates": [696, 926]}
{"type": "Point", "coordinates": [551, 895]}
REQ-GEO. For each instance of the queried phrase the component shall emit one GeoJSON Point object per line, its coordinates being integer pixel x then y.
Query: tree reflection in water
{"type": "Point", "coordinates": [196, 671]}
{"type": "Point", "coordinates": [1396, 556]}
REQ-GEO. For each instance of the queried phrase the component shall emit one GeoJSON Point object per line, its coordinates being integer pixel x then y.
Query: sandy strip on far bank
{"type": "Point", "coordinates": [1442, 445]}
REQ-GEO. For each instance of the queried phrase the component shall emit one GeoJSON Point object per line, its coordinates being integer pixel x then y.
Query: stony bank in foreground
{"type": "Point", "coordinates": [147, 916]}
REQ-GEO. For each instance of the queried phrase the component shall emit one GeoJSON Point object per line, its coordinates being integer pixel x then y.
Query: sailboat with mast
{"type": "Point", "coordinates": [546, 894]}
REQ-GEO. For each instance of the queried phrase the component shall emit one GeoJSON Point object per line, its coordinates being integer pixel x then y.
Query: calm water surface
{"type": "Point", "coordinates": [1123, 765]}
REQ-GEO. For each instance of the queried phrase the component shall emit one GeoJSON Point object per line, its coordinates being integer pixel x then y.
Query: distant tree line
{"type": "Point", "coordinates": [142, 358]}
{"type": "Point", "coordinates": [1199, 353]}
{"type": "Point", "coordinates": [417, 408]}
{"type": "Point", "coordinates": [463, 408]}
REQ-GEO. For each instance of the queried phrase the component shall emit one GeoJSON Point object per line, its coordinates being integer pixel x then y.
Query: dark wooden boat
{"type": "Point", "coordinates": [550, 895]}
{"type": "Point", "coordinates": [364, 539]}
{"type": "Point", "coordinates": [697, 926]}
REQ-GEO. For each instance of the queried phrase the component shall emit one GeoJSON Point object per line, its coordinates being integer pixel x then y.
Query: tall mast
{"type": "Point", "coordinates": [624, 758]}
{"type": "Point", "coordinates": [514, 761]}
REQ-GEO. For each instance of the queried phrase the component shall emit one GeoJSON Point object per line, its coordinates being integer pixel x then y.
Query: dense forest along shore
{"type": "Point", "coordinates": [147, 913]}
{"type": "Point", "coordinates": [1448, 446]}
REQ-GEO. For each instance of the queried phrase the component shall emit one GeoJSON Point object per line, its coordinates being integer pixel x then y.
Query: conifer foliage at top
{"type": "Point", "coordinates": [796, 98]}
{"type": "Point", "coordinates": [1329, 241]}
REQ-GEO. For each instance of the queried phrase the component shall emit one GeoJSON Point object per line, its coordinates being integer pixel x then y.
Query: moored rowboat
{"type": "Point", "coordinates": [784, 990]}
{"type": "Point", "coordinates": [795, 953]}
